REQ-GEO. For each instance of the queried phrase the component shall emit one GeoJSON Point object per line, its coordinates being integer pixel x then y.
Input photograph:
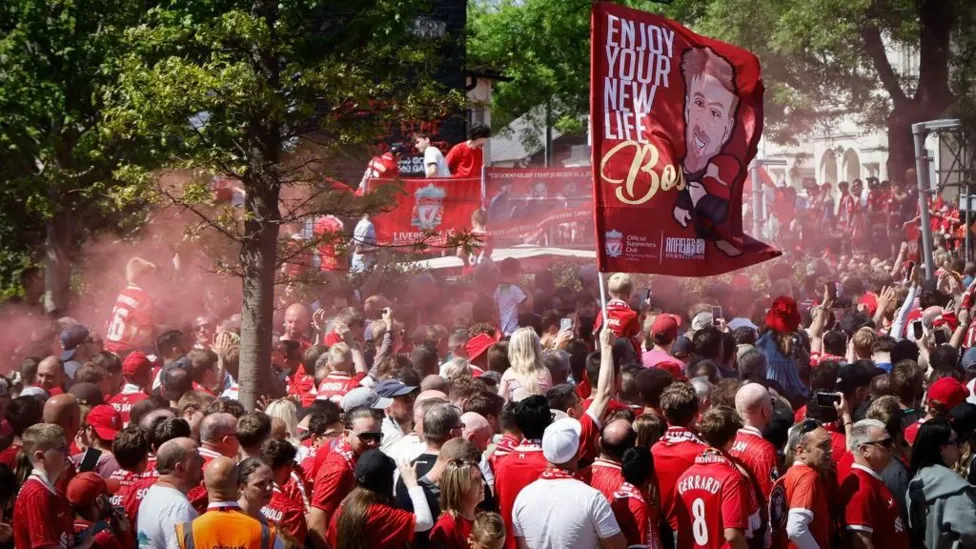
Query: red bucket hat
{"type": "Point", "coordinates": [783, 316]}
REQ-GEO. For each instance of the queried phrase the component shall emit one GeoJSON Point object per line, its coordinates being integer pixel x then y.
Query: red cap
{"type": "Point", "coordinates": [871, 301]}
{"type": "Point", "coordinates": [136, 364]}
{"type": "Point", "coordinates": [676, 369]}
{"type": "Point", "coordinates": [478, 345]}
{"type": "Point", "coordinates": [85, 488]}
{"type": "Point", "coordinates": [105, 420]}
{"type": "Point", "coordinates": [783, 316]}
{"type": "Point", "coordinates": [949, 392]}
{"type": "Point", "coordinates": [665, 324]}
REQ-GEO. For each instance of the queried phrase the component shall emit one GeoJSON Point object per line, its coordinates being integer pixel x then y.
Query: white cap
{"type": "Point", "coordinates": [701, 320]}
{"type": "Point", "coordinates": [561, 440]}
{"type": "Point", "coordinates": [34, 391]}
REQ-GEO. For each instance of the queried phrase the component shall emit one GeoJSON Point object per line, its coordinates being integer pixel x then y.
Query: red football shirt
{"type": "Point", "coordinates": [521, 467]}
{"type": "Point", "coordinates": [623, 322]}
{"type": "Point", "coordinates": [288, 513]}
{"type": "Point", "coordinates": [106, 539]}
{"type": "Point", "coordinates": [673, 455]}
{"type": "Point", "coordinates": [385, 527]}
{"type": "Point", "coordinates": [131, 324]}
{"type": "Point", "coordinates": [125, 478]}
{"type": "Point", "coordinates": [334, 479]}
{"type": "Point", "coordinates": [710, 496]}
{"type": "Point", "coordinates": [301, 384]}
{"type": "Point", "coordinates": [123, 401]}
{"type": "Point", "coordinates": [758, 456]}
{"type": "Point", "coordinates": [912, 431]}
{"type": "Point", "coordinates": [604, 475]}
{"type": "Point", "coordinates": [502, 449]}
{"type": "Point", "coordinates": [802, 490]}
{"type": "Point", "coordinates": [465, 161]}
{"type": "Point", "coordinates": [335, 385]}
{"type": "Point", "coordinates": [131, 497]}
{"type": "Point", "coordinates": [869, 507]}
{"type": "Point", "coordinates": [451, 532]}
{"type": "Point", "coordinates": [8, 456]}
{"type": "Point", "coordinates": [42, 516]}
{"type": "Point", "coordinates": [638, 520]}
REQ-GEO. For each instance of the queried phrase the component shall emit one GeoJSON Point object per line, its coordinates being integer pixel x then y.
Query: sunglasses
{"type": "Point", "coordinates": [374, 438]}
{"type": "Point", "coordinates": [883, 443]}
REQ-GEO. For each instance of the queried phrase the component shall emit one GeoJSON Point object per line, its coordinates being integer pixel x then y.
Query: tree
{"type": "Point", "coordinates": [56, 163]}
{"type": "Point", "coordinates": [270, 94]}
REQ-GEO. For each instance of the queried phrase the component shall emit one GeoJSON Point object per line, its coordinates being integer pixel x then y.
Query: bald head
{"type": "Point", "coordinates": [63, 410]}
{"type": "Point", "coordinates": [296, 322]}
{"type": "Point", "coordinates": [220, 478]}
{"type": "Point", "coordinates": [429, 394]}
{"type": "Point", "coordinates": [616, 438]}
{"type": "Point", "coordinates": [216, 426]}
{"type": "Point", "coordinates": [178, 460]}
{"type": "Point", "coordinates": [476, 429]}
{"type": "Point", "coordinates": [50, 373]}
{"type": "Point", "coordinates": [754, 405]}
{"type": "Point", "coordinates": [434, 384]}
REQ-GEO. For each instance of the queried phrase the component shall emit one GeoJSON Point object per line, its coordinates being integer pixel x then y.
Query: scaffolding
{"type": "Point", "coordinates": [956, 140]}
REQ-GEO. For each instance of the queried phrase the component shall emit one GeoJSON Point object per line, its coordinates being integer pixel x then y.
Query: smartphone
{"type": "Point", "coordinates": [827, 400]}
{"type": "Point", "coordinates": [647, 296]}
{"type": "Point", "coordinates": [917, 329]}
{"type": "Point", "coordinates": [716, 315]}
{"type": "Point", "coordinates": [941, 338]}
{"type": "Point", "coordinates": [566, 325]}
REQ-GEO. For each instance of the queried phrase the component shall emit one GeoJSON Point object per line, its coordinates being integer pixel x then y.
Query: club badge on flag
{"type": "Point", "coordinates": [676, 118]}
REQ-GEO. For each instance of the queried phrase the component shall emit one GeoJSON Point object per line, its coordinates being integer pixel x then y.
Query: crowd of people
{"type": "Point", "coordinates": [824, 401]}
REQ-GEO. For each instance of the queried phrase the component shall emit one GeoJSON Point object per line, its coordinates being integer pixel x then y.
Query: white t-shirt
{"type": "Point", "coordinates": [562, 513]}
{"type": "Point", "coordinates": [508, 297]}
{"type": "Point", "coordinates": [159, 513]}
{"type": "Point", "coordinates": [972, 391]}
{"type": "Point", "coordinates": [433, 155]}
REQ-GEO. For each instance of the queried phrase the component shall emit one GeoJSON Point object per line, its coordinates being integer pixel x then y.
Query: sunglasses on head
{"type": "Point", "coordinates": [808, 425]}
{"type": "Point", "coordinates": [883, 443]}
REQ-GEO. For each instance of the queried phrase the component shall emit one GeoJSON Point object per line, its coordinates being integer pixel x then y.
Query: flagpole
{"type": "Point", "coordinates": [603, 296]}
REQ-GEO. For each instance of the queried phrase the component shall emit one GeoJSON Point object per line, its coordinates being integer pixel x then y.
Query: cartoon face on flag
{"type": "Point", "coordinates": [676, 118]}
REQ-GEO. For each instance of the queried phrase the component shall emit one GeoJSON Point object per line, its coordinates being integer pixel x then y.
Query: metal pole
{"type": "Point", "coordinates": [965, 253]}
{"type": "Point", "coordinates": [548, 135]}
{"type": "Point", "coordinates": [922, 171]}
{"type": "Point", "coordinates": [757, 200]}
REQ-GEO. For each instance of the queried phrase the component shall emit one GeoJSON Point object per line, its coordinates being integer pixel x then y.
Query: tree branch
{"type": "Point", "coordinates": [874, 48]}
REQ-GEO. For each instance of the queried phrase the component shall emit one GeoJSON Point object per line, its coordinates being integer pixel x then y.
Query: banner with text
{"type": "Point", "coordinates": [429, 210]}
{"type": "Point", "coordinates": [522, 203]}
{"type": "Point", "coordinates": [676, 118]}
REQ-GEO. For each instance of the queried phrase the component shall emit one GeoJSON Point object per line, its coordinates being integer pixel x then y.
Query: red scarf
{"type": "Point", "coordinates": [556, 474]}
{"type": "Point", "coordinates": [675, 435]}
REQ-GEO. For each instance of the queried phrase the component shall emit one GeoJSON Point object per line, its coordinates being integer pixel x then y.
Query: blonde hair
{"type": "Point", "coordinates": [525, 356]}
{"type": "Point", "coordinates": [455, 482]}
{"type": "Point", "coordinates": [340, 354]}
{"type": "Point", "coordinates": [620, 285]}
{"type": "Point", "coordinates": [862, 341]}
{"type": "Point", "coordinates": [457, 367]}
{"type": "Point", "coordinates": [488, 530]}
{"type": "Point", "coordinates": [136, 268]}
{"type": "Point", "coordinates": [43, 437]}
{"type": "Point", "coordinates": [284, 409]}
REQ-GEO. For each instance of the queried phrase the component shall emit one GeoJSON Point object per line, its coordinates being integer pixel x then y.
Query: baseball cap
{"type": "Point", "coordinates": [561, 440]}
{"type": "Point", "coordinates": [390, 388]}
{"type": "Point", "coordinates": [71, 338]}
{"type": "Point", "coordinates": [374, 470]}
{"type": "Point", "coordinates": [478, 345]}
{"type": "Point", "coordinates": [969, 359]}
{"type": "Point", "coordinates": [852, 377]}
{"type": "Point", "coordinates": [948, 391]}
{"type": "Point", "coordinates": [682, 348]}
{"type": "Point", "coordinates": [701, 320]}
{"type": "Point", "coordinates": [87, 394]}
{"type": "Point", "coordinates": [963, 418]}
{"type": "Point", "coordinates": [135, 364]}
{"type": "Point", "coordinates": [85, 488]}
{"type": "Point", "coordinates": [665, 324]}
{"type": "Point", "coordinates": [105, 420]}
{"type": "Point", "coordinates": [364, 396]}
{"type": "Point", "coordinates": [34, 391]}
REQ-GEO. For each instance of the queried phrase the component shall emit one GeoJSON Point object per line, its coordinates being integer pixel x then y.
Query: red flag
{"type": "Point", "coordinates": [676, 118]}
{"type": "Point", "coordinates": [429, 210]}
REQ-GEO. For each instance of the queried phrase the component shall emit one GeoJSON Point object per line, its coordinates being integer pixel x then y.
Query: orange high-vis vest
{"type": "Point", "coordinates": [225, 528]}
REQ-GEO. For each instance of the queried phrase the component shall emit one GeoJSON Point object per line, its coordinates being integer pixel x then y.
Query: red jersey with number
{"type": "Point", "coordinates": [604, 475]}
{"type": "Point", "coordinates": [123, 401]}
{"type": "Point", "coordinates": [523, 466]}
{"type": "Point", "coordinates": [638, 519]}
{"type": "Point", "coordinates": [869, 507]}
{"type": "Point", "coordinates": [42, 516]}
{"type": "Point", "coordinates": [800, 490]}
{"type": "Point", "coordinates": [710, 496]}
{"type": "Point", "coordinates": [465, 161]}
{"type": "Point", "coordinates": [131, 324]}
{"type": "Point", "coordinates": [125, 478]}
{"type": "Point", "coordinates": [451, 532]}
{"type": "Point", "coordinates": [758, 456]}
{"type": "Point", "coordinates": [334, 480]}
{"type": "Point", "coordinates": [131, 497]}
{"type": "Point", "coordinates": [288, 513]}
{"type": "Point", "coordinates": [673, 455]}
{"type": "Point", "coordinates": [335, 385]}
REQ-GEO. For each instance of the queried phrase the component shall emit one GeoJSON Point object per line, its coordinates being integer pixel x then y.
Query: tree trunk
{"type": "Point", "coordinates": [57, 265]}
{"type": "Point", "coordinates": [901, 144]}
{"type": "Point", "coordinates": [258, 258]}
